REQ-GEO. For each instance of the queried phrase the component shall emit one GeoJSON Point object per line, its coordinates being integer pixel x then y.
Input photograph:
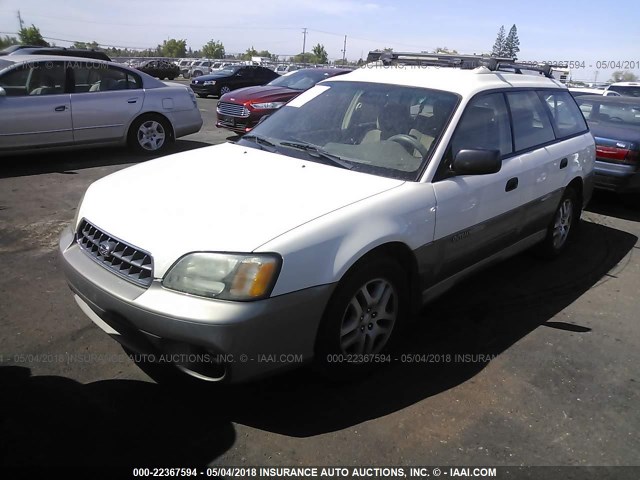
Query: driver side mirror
{"type": "Point", "coordinates": [3, 92]}
{"type": "Point", "coordinates": [476, 162]}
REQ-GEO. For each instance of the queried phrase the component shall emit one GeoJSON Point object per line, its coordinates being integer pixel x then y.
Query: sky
{"type": "Point", "coordinates": [548, 30]}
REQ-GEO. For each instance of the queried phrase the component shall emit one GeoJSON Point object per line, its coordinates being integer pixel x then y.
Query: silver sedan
{"type": "Point", "coordinates": [63, 102]}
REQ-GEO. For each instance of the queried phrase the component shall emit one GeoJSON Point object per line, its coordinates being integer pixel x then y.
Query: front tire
{"type": "Point", "coordinates": [224, 89]}
{"type": "Point", "coordinates": [362, 318]}
{"type": "Point", "coordinates": [150, 134]}
{"type": "Point", "coordinates": [203, 95]}
{"type": "Point", "coordinates": [562, 228]}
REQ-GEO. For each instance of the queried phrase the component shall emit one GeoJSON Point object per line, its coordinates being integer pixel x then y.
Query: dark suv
{"type": "Point", "coordinates": [231, 78]}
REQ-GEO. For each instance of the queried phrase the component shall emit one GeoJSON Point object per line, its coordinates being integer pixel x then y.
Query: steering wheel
{"type": "Point", "coordinates": [409, 143]}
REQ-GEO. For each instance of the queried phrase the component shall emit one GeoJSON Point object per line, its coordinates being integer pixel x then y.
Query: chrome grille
{"type": "Point", "coordinates": [123, 259]}
{"type": "Point", "coordinates": [232, 109]}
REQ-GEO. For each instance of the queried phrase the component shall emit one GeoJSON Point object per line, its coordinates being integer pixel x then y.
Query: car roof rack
{"type": "Point", "coordinates": [465, 62]}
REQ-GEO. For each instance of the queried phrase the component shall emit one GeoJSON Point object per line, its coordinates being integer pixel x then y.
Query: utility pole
{"type": "Point", "coordinates": [344, 50]}
{"type": "Point", "coordinates": [20, 21]}
{"type": "Point", "coordinates": [304, 43]}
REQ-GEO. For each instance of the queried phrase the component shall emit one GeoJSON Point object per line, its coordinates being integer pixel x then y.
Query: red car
{"type": "Point", "coordinates": [242, 109]}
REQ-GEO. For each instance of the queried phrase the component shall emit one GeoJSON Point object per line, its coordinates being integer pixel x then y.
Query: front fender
{"type": "Point", "coordinates": [321, 251]}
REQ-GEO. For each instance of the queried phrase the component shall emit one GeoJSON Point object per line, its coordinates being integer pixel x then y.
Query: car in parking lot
{"type": "Point", "coordinates": [61, 51]}
{"type": "Point", "coordinates": [627, 89]}
{"type": "Point", "coordinates": [580, 91]}
{"type": "Point", "coordinates": [242, 109]}
{"type": "Point", "coordinates": [231, 78]}
{"type": "Point", "coordinates": [160, 69]}
{"type": "Point", "coordinates": [615, 124]}
{"type": "Point", "coordinates": [62, 102]}
{"type": "Point", "coordinates": [320, 232]}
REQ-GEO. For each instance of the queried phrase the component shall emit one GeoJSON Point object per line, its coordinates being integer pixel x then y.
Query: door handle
{"type": "Point", "coordinates": [563, 163]}
{"type": "Point", "coordinates": [61, 108]}
{"type": "Point", "coordinates": [512, 184]}
{"type": "Point", "coordinates": [132, 100]}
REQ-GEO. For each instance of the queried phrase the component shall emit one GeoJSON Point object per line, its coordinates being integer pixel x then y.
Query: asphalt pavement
{"type": "Point", "coordinates": [527, 363]}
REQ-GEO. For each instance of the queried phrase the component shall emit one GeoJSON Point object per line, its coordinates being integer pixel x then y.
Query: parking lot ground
{"type": "Point", "coordinates": [527, 363]}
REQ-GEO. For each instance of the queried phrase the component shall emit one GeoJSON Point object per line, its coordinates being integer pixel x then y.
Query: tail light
{"type": "Point", "coordinates": [617, 155]}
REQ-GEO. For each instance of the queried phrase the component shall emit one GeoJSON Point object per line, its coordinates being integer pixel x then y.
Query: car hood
{"type": "Point", "coordinates": [261, 92]}
{"type": "Point", "coordinates": [221, 198]}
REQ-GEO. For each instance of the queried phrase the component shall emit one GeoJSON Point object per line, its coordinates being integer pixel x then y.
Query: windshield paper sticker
{"type": "Point", "coordinates": [307, 96]}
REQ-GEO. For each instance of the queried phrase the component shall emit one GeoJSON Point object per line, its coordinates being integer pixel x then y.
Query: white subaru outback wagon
{"type": "Point", "coordinates": [317, 235]}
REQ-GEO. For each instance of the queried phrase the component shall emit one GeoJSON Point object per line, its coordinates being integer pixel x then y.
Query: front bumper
{"type": "Point", "coordinates": [206, 90]}
{"type": "Point", "coordinates": [616, 177]}
{"type": "Point", "coordinates": [237, 124]}
{"type": "Point", "coordinates": [231, 341]}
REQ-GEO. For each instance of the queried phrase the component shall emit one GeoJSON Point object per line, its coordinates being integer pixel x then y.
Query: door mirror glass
{"type": "Point", "coordinates": [477, 162]}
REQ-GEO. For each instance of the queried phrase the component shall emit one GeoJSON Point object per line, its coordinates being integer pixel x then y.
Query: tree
{"type": "Point", "coordinates": [307, 57]}
{"type": "Point", "coordinates": [7, 41]}
{"type": "Point", "coordinates": [444, 50]}
{"type": "Point", "coordinates": [31, 36]}
{"type": "Point", "coordinates": [626, 76]}
{"type": "Point", "coordinates": [321, 54]}
{"type": "Point", "coordinates": [512, 43]}
{"type": "Point", "coordinates": [499, 45]}
{"type": "Point", "coordinates": [251, 52]}
{"type": "Point", "coordinates": [267, 54]}
{"type": "Point", "coordinates": [84, 45]}
{"type": "Point", "coordinates": [173, 48]}
{"type": "Point", "coordinates": [213, 49]}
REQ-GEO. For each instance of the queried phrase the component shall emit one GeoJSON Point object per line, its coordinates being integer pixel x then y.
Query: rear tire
{"type": "Point", "coordinates": [150, 134]}
{"type": "Point", "coordinates": [362, 320]}
{"type": "Point", "coordinates": [562, 228]}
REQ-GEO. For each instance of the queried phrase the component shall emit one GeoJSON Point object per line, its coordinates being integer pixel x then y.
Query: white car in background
{"type": "Point", "coordinates": [62, 102]}
{"type": "Point", "coordinates": [626, 89]}
{"type": "Point", "coordinates": [319, 233]}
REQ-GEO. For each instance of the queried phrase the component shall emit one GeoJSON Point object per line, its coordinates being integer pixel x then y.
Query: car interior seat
{"type": "Point", "coordinates": [47, 86]}
{"type": "Point", "coordinates": [393, 119]}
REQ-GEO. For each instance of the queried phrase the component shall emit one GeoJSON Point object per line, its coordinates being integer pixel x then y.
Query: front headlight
{"type": "Point", "coordinates": [226, 276]}
{"type": "Point", "coordinates": [209, 82]}
{"type": "Point", "coordinates": [267, 105]}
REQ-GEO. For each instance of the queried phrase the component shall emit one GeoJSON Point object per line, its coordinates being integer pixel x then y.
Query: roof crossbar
{"type": "Point", "coordinates": [464, 62]}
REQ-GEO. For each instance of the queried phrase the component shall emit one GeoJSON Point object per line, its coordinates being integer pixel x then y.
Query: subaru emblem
{"type": "Point", "coordinates": [105, 249]}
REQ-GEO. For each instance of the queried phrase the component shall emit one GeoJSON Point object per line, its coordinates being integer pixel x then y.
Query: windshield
{"type": "Point", "coordinates": [300, 80]}
{"type": "Point", "coordinates": [229, 70]}
{"type": "Point", "coordinates": [624, 115]}
{"type": "Point", "coordinates": [386, 130]}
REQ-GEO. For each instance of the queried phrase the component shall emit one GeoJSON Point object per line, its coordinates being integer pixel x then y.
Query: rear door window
{"type": "Point", "coordinates": [531, 124]}
{"type": "Point", "coordinates": [567, 119]}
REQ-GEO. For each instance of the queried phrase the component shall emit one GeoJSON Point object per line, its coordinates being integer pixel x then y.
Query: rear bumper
{"type": "Point", "coordinates": [185, 122]}
{"type": "Point", "coordinates": [209, 339]}
{"type": "Point", "coordinates": [616, 177]}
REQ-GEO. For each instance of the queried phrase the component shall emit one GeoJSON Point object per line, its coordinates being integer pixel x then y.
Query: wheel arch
{"type": "Point", "coordinates": [577, 185]}
{"type": "Point", "coordinates": [172, 132]}
{"type": "Point", "coordinates": [402, 254]}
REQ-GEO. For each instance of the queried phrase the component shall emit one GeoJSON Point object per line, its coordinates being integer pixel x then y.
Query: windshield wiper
{"type": "Point", "coordinates": [318, 152]}
{"type": "Point", "coordinates": [261, 141]}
